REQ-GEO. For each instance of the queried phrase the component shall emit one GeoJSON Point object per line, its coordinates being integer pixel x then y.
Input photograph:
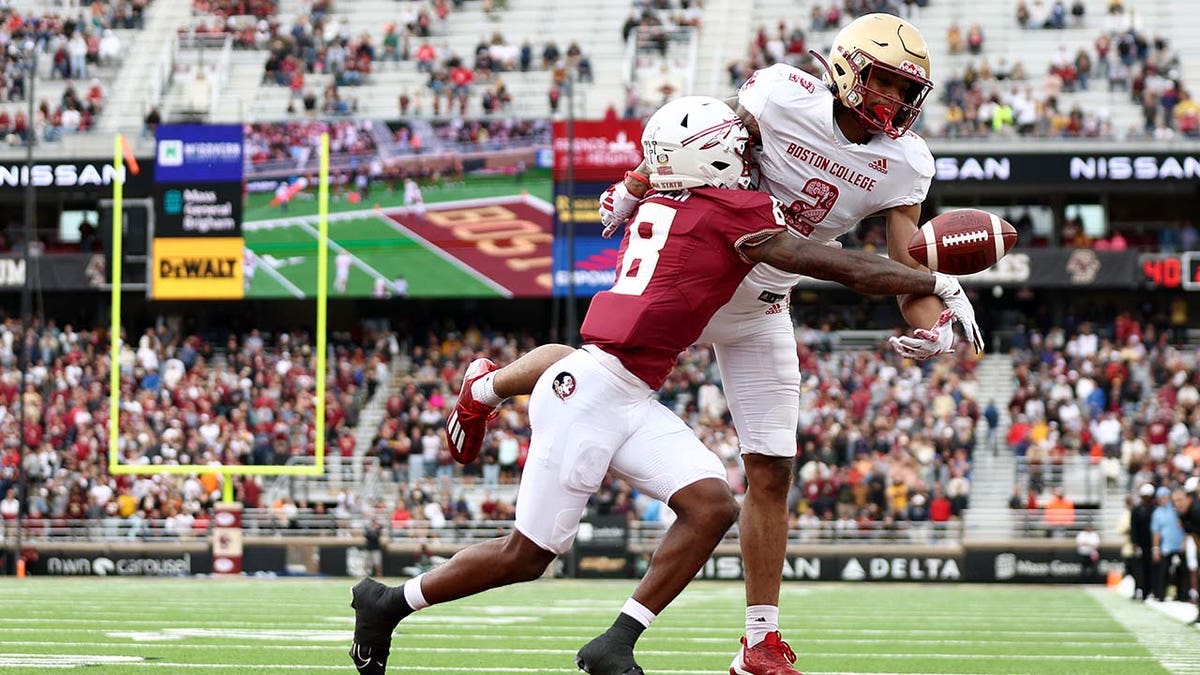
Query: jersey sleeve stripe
{"type": "Point", "coordinates": [754, 239]}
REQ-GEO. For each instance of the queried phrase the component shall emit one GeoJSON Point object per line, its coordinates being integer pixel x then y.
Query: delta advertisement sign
{"type": "Point", "coordinates": [838, 567]}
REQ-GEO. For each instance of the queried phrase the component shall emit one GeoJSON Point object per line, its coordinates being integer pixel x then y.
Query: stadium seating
{"type": "Point", "coordinates": [887, 449]}
{"type": "Point", "coordinates": [79, 54]}
{"type": "Point", "coordinates": [842, 457]}
{"type": "Point", "coordinates": [1081, 414]}
{"type": "Point", "coordinates": [164, 76]}
{"type": "Point", "coordinates": [184, 401]}
{"type": "Point", "coordinates": [378, 93]}
{"type": "Point", "coordinates": [1005, 43]}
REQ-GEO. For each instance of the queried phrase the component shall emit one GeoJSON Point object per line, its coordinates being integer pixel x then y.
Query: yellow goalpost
{"type": "Point", "coordinates": [114, 401]}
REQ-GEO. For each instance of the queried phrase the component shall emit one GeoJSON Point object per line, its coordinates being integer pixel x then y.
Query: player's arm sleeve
{"type": "Point", "coordinates": [858, 270]}
{"type": "Point", "coordinates": [758, 222]}
{"type": "Point", "coordinates": [902, 223]}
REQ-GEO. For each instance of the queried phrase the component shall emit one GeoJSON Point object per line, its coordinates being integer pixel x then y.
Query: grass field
{"type": "Point", "coordinates": [285, 242]}
{"type": "Point", "coordinates": [300, 626]}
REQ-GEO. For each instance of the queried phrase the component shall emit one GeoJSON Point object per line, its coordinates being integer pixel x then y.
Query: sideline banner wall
{"type": "Point", "coordinates": [1027, 564]}
{"type": "Point", "coordinates": [600, 549]}
{"type": "Point", "coordinates": [930, 568]}
{"type": "Point", "coordinates": [120, 563]}
{"type": "Point", "coordinates": [1075, 268]}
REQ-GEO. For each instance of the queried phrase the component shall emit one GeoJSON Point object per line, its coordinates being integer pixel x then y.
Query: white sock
{"type": "Point", "coordinates": [760, 620]}
{"type": "Point", "coordinates": [638, 612]}
{"type": "Point", "coordinates": [483, 391]}
{"type": "Point", "coordinates": [413, 595]}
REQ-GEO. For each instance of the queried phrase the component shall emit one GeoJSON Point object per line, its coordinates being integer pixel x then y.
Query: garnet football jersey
{"type": "Point", "coordinates": [826, 183]}
{"type": "Point", "coordinates": [679, 262]}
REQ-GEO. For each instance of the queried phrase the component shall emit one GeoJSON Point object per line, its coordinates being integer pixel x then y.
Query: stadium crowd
{"type": "Point", "coordinates": [871, 451]}
{"type": "Point", "coordinates": [186, 399]}
{"type": "Point", "coordinates": [70, 47]}
{"type": "Point", "coordinates": [299, 142]}
{"type": "Point", "coordinates": [1004, 99]}
{"type": "Point", "coordinates": [1119, 395]}
{"type": "Point", "coordinates": [492, 134]}
{"type": "Point", "coordinates": [1116, 399]}
{"type": "Point", "coordinates": [883, 444]}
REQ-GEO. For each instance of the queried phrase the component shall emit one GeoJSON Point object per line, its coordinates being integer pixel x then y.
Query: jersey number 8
{"type": "Point", "coordinates": [641, 253]}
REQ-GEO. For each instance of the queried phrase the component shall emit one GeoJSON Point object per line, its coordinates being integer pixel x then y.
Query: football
{"type": "Point", "coordinates": [963, 241]}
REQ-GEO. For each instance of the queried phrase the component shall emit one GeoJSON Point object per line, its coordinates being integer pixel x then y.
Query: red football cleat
{"type": "Point", "coordinates": [466, 426]}
{"type": "Point", "coordinates": [772, 656]}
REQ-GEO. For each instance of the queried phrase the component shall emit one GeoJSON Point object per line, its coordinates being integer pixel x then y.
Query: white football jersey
{"type": "Point", "coordinates": [826, 184]}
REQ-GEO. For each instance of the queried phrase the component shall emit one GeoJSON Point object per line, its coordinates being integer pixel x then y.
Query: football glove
{"type": "Point", "coordinates": [951, 292]}
{"type": "Point", "coordinates": [616, 206]}
{"type": "Point", "coordinates": [926, 344]}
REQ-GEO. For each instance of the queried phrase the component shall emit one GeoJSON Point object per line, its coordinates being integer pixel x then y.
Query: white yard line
{"type": "Point", "coordinates": [575, 640]}
{"type": "Point", "coordinates": [284, 281]}
{"type": "Point", "coordinates": [44, 660]}
{"type": "Point", "coordinates": [642, 652]}
{"type": "Point", "coordinates": [805, 636]}
{"type": "Point", "coordinates": [358, 262]}
{"type": "Point", "coordinates": [1173, 644]}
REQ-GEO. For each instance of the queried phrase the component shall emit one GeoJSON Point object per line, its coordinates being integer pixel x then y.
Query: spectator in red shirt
{"type": "Point", "coordinates": [940, 507]}
{"type": "Point", "coordinates": [425, 56]}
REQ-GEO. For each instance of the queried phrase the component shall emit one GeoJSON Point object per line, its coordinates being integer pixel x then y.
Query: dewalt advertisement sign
{"type": "Point", "coordinates": [197, 268]}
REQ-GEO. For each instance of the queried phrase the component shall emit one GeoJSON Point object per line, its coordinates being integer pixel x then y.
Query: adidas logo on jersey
{"type": "Point", "coordinates": [879, 165]}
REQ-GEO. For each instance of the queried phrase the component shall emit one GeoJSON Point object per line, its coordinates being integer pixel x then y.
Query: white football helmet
{"type": "Point", "coordinates": [696, 141]}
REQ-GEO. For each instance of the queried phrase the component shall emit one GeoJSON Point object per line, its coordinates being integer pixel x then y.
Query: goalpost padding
{"type": "Point", "coordinates": [114, 395]}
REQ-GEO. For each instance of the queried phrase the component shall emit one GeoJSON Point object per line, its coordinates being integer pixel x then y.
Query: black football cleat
{"type": "Point", "coordinates": [369, 660]}
{"type": "Point", "coordinates": [374, 622]}
{"type": "Point", "coordinates": [607, 656]}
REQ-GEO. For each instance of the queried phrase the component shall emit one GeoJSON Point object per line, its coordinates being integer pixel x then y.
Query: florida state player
{"type": "Point", "coordinates": [683, 257]}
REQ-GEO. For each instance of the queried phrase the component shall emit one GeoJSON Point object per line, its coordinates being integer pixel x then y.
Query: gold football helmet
{"type": "Point", "coordinates": [872, 44]}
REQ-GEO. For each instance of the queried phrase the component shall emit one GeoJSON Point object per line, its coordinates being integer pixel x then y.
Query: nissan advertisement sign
{"type": "Point", "coordinates": [1065, 168]}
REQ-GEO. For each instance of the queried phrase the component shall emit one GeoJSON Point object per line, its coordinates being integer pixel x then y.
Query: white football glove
{"type": "Point", "coordinates": [926, 344]}
{"type": "Point", "coordinates": [616, 206]}
{"type": "Point", "coordinates": [951, 292]}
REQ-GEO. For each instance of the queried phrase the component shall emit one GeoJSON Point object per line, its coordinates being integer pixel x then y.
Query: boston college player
{"type": "Point", "coordinates": [688, 248]}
